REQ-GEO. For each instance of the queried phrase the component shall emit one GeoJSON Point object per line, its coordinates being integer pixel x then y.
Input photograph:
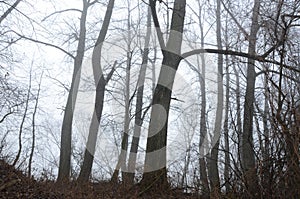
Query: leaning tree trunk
{"type": "Point", "coordinates": [100, 83]}
{"type": "Point", "coordinates": [155, 162]}
{"type": "Point", "coordinates": [66, 131]}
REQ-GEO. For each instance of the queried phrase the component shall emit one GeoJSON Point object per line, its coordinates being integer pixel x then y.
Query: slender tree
{"type": "Point", "coordinates": [139, 102]}
{"type": "Point", "coordinates": [122, 160]}
{"type": "Point", "coordinates": [20, 142]}
{"type": "Point", "coordinates": [213, 161]}
{"type": "Point", "coordinates": [203, 125]}
{"type": "Point", "coordinates": [100, 83]}
{"type": "Point", "coordinates": [34, 127]}
{"type": "Point", "coordinates": [248, 155]}
{"type": "Point", "coordinates": [66, 130]}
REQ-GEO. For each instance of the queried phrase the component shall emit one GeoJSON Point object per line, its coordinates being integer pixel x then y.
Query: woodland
{"type": "Point", "coordinates": [150, 99]}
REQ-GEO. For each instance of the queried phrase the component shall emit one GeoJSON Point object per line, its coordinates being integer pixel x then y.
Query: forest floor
{"type": "Point", "coordinates": [14, 184]}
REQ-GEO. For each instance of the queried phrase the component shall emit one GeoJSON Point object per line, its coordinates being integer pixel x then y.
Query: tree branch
{"type": "Point", "coordinates": [45, 43]}
{"type": "Point", "coordinates": [236, 21]}
{"type": "Point", "coordinates": [7, 114]}
{"type": "Point", "coordinates": [259, 58]}
{"type": "Point", "coordinates": [7, 12]}
{"type": "Point", "coordinates": [111, 72]}
{"type": "Point", "coordinates": [61, 11]}
{"type": "Point", "coordinates": [157, 26]}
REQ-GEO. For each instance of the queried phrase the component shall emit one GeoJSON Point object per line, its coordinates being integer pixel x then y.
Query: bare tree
{"type": "Point", "coordinates": [100, 83]}
{"type": "Point", "coordinates": [20, 142]}
{"type": "Point", "coordinates": [213, 161]}
{"type": "Point", "coordinates": [34, 127]}
{"type": "Point", "coordinates": [248, 155]}
{"type": "Point", "coordinates": [157, 141]}
{"type": "Point", "coordinates": [66, 131]}
{"type": "Point", "coordinates": [139, 102]}
{"type": "Point", "coordinates": [127, 99]}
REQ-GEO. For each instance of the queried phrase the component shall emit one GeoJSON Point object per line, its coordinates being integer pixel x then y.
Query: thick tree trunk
{"type": "Point", "coordinates": [100, 84]}
{"type": "Point", "coordinates": [66, 131]}
{"type": "Point", "coordinates": [155, 162]}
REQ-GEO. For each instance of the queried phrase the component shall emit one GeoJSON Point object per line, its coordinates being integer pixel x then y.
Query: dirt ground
{"type": "Point", "coordinates": [14, 184]}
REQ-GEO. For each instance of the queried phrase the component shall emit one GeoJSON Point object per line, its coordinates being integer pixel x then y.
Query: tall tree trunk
{"type": "Point", "coordinates": [155, 162]}
{"type": "Point", "coordinates": [226, 119]}
{"type": "Point", "coordinates": [124, 143]}
{"type": "Point", "coordinates": [139, 103]}
{"type": "Point", "coordinates": [203, 128]}
{"type": "Point", "coordinates": [248, 156]}
{"type": "Point", "coordinates": [100, 83]}
{"type": "Point", "coordinates": [213, 162]}
{"type": "Point", "coordinates": [266, 133]}
{"type": "Point", "coordinates": [226, 131]}
{"type": "Point", "coordinates": [66, 131]}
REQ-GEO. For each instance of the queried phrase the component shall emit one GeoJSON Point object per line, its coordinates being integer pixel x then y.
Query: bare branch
{"type": "Point", "coordinates": [7, 114]}
{"type": "Point", "coordinates": [45, 43]}
{"type": "Point", "coordinates": [61, 83]}
{"type": "Point", "coordinates": [7, 12]}
{"type": "Point", "coordinates": [236, 21]}
{"type": "Point", "coordinates": [61, 11]}
{"type": "Point", "coordinates": [259, 58]}
{"type": "Point", "coordinates": [111, 72]}
{"type": "Point", "coordinates": [224, 52]}
{"type": "Point", "coordinates": [157, 26]}
{"type": "Point", "coordinates": [278, 73]}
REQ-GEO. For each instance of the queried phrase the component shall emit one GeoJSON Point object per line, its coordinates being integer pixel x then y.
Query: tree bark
{"type": "Point", "coordinates": [155, 162]}
{"type": "Point", "coordinates": [248, 156]}
{"type": "Point", "coordinates": [213, 161]}
{"type": "Point", "coordinates": [226, 120]}
{"type": "Point", "coordinates": [226, 132]}
{"type": "Point", "coordinates": [66, 131]}
{"type": "Point", "coordinates": [100, 83]}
